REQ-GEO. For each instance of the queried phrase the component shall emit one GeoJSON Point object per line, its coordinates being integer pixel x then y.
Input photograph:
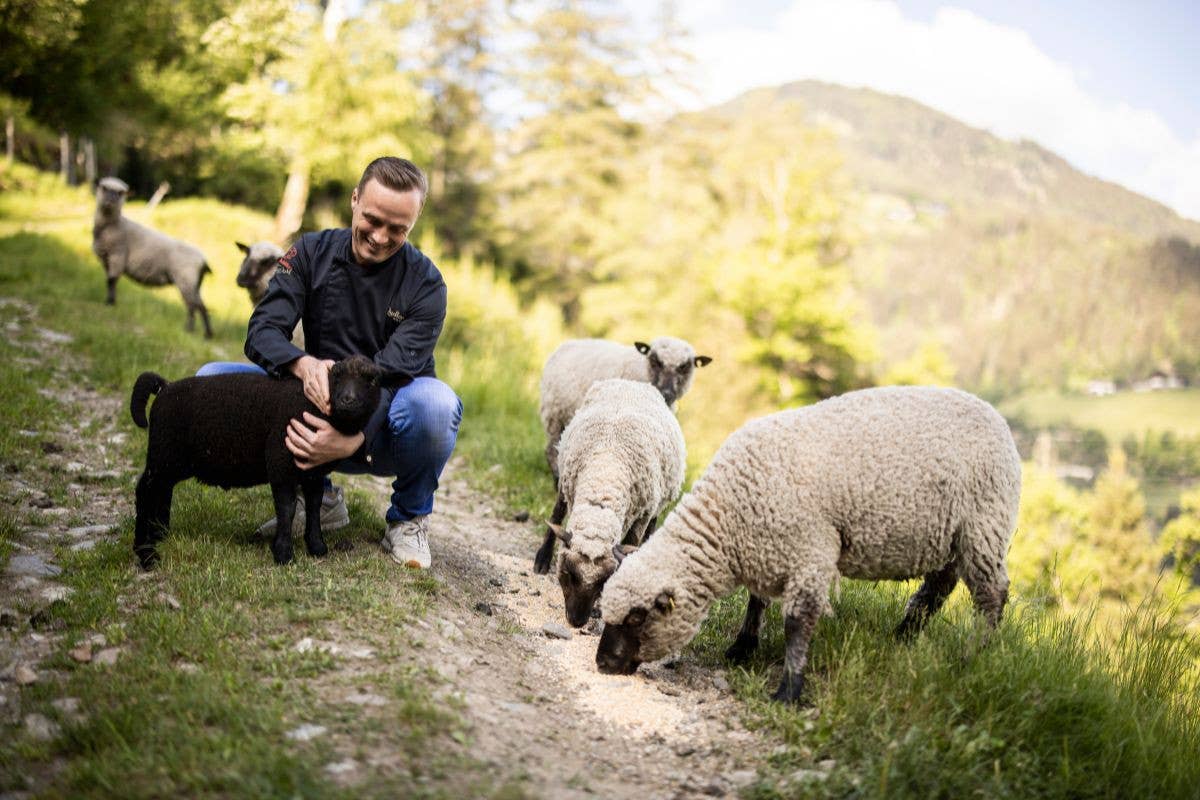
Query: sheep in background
{"type": "Point", "coordinates": [888, 483]}
{"type": "Point", "coordinates": [255, 273]}
{"type": "Point", "coordinates": [228, 430]}
{"type": "Point", "coordinates": [666, 363]}
{"type": "Point", "coordinates": [258, 266]}
{"type": "Point", "coordinates": [623, 460]}
{"type": "Point", "coordinates": [145, 255]}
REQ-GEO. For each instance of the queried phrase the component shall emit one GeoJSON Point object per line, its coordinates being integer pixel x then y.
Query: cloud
{"type": "Point", "coordinates": [988, 75]}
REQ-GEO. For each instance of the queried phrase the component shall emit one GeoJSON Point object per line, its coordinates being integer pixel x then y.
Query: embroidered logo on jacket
{"type": "Point", "coordinates": [396, 315]}
{"type": "Point", "coordinates": [285, 263]}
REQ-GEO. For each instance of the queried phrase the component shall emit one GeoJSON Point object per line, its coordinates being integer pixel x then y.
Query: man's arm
{"type": "Point", "coordinates": [269, 334]}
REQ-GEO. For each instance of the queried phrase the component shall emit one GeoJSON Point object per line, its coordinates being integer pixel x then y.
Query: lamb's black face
{"type": "Point", "coordinates": [619, 645]}
{"type": "Point", "coordinates": [353, 393]}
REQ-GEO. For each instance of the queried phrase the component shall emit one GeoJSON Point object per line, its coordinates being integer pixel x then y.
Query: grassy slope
{"type": "Point", "coordinates": [1036, 713]}
{"type": "Point", "coordinates": [1116, 416]}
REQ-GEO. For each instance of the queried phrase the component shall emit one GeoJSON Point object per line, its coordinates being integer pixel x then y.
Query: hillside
{"type": "Point", "coordinates": [1021, 269]}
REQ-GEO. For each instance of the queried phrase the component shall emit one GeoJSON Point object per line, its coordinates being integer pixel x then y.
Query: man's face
{"type": "Point", "coordinates": [380, 221]}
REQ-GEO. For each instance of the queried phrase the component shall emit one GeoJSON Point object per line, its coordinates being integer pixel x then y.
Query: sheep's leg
{"type": "Point", "coordinates": [112, 290]}
{"type": "Point", "coordinates": [989, 592]}
{"type": "Point", "coordinates": [747, 639]}
{"type": "Point", "coordinates": [799, 621]}
{"type": "Point", "coordinates": [153, 516]}
{"type": "Point", "coordinates": [285, 510]}
{"type": "Point", "coordinates": [313, 489]}
{"type": "Point", "coordinates": [545, 553]}
{"type": "Point", "coordinates": [637, 531]}
{"type": "Point", "coordinates": [934, 590]}
{"type": "Point", "coordinates": [204, 318]}
{"type": "Point", "coordinates": [651, 526]}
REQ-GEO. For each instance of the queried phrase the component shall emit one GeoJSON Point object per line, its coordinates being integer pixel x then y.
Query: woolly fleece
{"type": "Point", "coordinates": [884, 483]}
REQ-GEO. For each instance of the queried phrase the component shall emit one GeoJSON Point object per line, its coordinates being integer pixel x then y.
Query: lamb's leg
{"type": "Point", "coordinates": [112, 290]}
{"type": "Point", "coordinates": [207, 325]}
{"type": "Point", "coordinates": [545, 553]}
{"type": "Point", "coordinates": [801, 613]}
{"type": "Point", "coordinates": [313, 489]}
{"type": "Point", "coordinates": [284, 494]}
{"type": "Point", "coordinates": [926, 601]}
{"type": "Point", "coordinates": [153, 516]}
{"type": "Point", "coordinates": [747, 639]}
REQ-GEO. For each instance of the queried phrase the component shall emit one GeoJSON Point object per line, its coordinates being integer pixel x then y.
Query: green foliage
{"type": "Point", "coordinates": [1180, 542]}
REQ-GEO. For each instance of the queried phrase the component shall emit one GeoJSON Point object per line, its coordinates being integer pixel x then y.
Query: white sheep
{"type": "Point", "coordinates": [666, 363]}
{"type": "Point", "coordinates": [144, 254]}
{"type": "Point", "coordinates": [623, 460]}
{"type": "Point", "coordinates": [258, 265]}
{"type": "Point", "coordinates": [886, 483]}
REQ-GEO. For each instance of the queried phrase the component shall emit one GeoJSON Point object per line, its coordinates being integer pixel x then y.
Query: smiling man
{"type": "Point", "coordinates": [366, 290]}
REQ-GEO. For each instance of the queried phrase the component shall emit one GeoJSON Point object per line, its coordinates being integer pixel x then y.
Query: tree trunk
{"type": "Point", "coordinates": [158, 195]}
{"type": "Point", "coordinates": [64, 157]}
{"type": "Point", "coordinates": [89, 160]}
{"type": "Point", "coordinates": [10, 139]}
{"type": "Point", "coordinates": [295, 199]}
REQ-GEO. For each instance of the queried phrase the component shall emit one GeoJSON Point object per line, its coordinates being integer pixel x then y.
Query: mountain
{"type": "Point", "coordinates": [1018, 267]}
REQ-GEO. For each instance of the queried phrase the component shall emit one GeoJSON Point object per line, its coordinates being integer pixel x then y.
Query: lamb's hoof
{"type": "Point", "coordinates": [317, 549]}
{"type": "Point", "coordinates": [742, 649]}
{"type": "Point", "coordinates": [283, 555]}
{"type": "Point", "coordinates": [148, 560]}
{"type": "Point", "coordinates": [541, 563]}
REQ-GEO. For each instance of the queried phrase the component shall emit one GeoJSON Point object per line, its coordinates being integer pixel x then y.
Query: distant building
{"type": "Point", "coordinates": [1158, 381]}
{"type": "Point", "coordinates": [1101, 388]}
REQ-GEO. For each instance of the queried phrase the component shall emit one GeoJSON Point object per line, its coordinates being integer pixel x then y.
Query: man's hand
{"type": "Point", "coordinates": [314, 442]}
{"type": "Point", "coordinates": [314, 374]}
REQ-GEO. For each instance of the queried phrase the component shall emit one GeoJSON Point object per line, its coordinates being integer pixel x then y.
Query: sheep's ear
{"type": "Point", "coordinates": [703, 361]}
{"type": "Point", "coordinates": [642, 347]}
{"type": "Point", "coordinates": [244, 248]}
{"type": "Point", "coordinates": [619, 551]}
{"type": "Point", "coordinates": [561, 533]}
{"type": "Point", "coordinates": [665, 602]}
{"type": "Point", "coordinates": [635, 617]}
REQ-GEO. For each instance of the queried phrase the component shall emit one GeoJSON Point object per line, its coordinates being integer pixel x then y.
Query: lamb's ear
{"type": "Point", "coordinates": [561, 533]}
{"type": "Point", "coordinates": [635, 617]}
{"type": "Point", "coordinates": [642, 348]}
{"type": "Point", "coordinates": [703, 361]}
{"type": "Point", "coordinates": [244, 248]}
{"type": "Point", "coordinates": [619, 551]}
{"type": "Point", "coordinates": [665, 602]}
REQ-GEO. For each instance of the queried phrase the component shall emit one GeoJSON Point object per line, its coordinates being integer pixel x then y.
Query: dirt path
{"type": "Point", "coordinates": [540, 716]}
{"type": "Point", "coordinates": [540, 710]}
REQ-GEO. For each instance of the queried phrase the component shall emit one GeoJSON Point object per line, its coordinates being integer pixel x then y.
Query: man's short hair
{"type": "Point", "coordinates": [395, 173]}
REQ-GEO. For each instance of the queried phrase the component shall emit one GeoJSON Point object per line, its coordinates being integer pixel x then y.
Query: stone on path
{"type": "Point", "coordinates": [24, 675]}
{"type": "Point", "coordinates": [553, 630]}
{"type": "Point", "coordinates": [32, 565]}
{"type": "Point", "coordinates": [306, 732]}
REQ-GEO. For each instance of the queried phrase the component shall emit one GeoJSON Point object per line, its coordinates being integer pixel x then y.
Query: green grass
{"type": "Point", "coordinates": [1116, 416]}
{"type": "Point", "coordinates": [1036, 711]}
{"type": "Point", "coordinates": [210, 680]}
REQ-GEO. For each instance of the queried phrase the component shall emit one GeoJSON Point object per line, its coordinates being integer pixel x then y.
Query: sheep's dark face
{"type": "Point", "coordinates": [582, 579]}
{"type": "Point", "coordinates": [353, 393]}
{"type": "Point", "coordinates": [672, 365]}
{"type": "Point", "coordinates": [258, 266]}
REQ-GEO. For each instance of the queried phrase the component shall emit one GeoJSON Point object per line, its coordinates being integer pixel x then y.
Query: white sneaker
{"type": "Point", "coordinates": [408, 542]}
{"type": "Point", "coordinates": [334, 515]}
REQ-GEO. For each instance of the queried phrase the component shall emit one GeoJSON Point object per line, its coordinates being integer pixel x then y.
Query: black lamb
{"type": "Point", "coordinates": [228, 430]}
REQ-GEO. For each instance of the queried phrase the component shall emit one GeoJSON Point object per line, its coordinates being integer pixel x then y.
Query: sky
{"type": "Point", "coordinates": [1113, 87]}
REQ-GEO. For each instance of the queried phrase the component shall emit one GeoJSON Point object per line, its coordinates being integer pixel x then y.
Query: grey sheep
{"type": "Point", "coordinates": [887, 483]}
{"type": "Point", "coordinates": [666, 363]}
{"type": "Point", "coordinates": [144, 254]}
{"type": "Point", "coordinates": [258, 265]}
{"type": "Point", "coordinates": [623, 459]}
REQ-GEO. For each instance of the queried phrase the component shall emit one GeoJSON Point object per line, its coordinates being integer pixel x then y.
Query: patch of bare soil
{"type": "Point", "coordinates": [541, 713]}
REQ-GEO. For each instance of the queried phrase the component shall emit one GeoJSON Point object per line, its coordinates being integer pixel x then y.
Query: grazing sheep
{"type": "Point", "coordinates": [145, 255]}
{"type": "Point", "coordinates": [667, 363]}
{"type": "Point", "coordinates": [258, 266]}
{"type": "Point", "coordinates": [623, 460]}
{"type": "Point", "coordinates": [228, 430]}
{"type": "Point", "coordinates": [887, 483]}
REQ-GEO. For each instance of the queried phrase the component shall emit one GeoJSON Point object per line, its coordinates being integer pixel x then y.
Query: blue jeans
{"type": "Point", "coordinates": [413, 445]}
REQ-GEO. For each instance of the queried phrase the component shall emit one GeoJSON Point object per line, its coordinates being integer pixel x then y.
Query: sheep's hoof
{"type": "Point", "coordinates": [791, 690]}
{"type": "Point", "coordinates": [541, 562]}
{"type": "Point", "coordinates": [317, 549]}
{"type": "Point", "coordinates": [148, 559]}
{"type": "Point", "coordinates": [743, 647]}
{"type": "Point", "coordinates": [283, 555]}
